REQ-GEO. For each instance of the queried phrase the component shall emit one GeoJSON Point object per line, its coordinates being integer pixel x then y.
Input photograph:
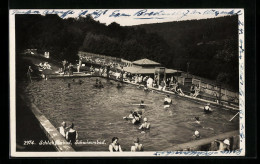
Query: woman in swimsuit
{"type": "Point", "coordinates": [115, 146]}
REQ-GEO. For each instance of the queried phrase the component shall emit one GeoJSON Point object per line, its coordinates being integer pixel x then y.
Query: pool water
{"type": "Point", "coordinates": [98, 114]}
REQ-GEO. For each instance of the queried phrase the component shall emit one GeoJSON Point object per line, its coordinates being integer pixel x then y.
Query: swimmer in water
{"type": "Point", "coordinates": [199, 123]}
{"type": "Point", "coordinates": [96, 85]}
{"type": "Point", "coordinates": [139, 113]}
{"type": "Point", "coordinates": [136, 118]}
{"type": "Point", "coordinates": [197, 120]}
{"type": "Point", "coordinates": [196, 135]}
{"type": "Point", "coordinates": [167, 101]}
{"type": "Point", "coordinates": [115, 146]}
{"type": "Point", "coordinates": [145, 125]}
{"type": "Point", "coordinates": [80, 81]}
{"type": "Point", "coordinates": [207, 108]}
{"type": "Point", "coordinates": [142, 105]}
{"type": "Point", "coordinates": [130, 116]}
{"type": "Point", "coordinates": [137, 146]}
{"type": "Point", "coordinates": [118, 85]}
{"type": "Point", "coordinates": [100, 84]}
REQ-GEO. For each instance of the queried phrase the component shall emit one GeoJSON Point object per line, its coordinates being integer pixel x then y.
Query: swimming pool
{"type": "Point", "coordinates": [98, 114]}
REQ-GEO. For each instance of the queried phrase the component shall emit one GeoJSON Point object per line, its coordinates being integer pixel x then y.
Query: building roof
{"type": "Point", "coordinates": [145, 62]}
{"type": "Point", "coordinates": [136, 70]}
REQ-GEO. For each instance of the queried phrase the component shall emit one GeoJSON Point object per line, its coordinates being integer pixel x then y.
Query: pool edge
{"type": "Point", "coordinates": [55, 138]}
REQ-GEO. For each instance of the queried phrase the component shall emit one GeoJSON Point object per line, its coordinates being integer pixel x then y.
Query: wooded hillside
{"type": "Point", "coordinates": [210, 46]}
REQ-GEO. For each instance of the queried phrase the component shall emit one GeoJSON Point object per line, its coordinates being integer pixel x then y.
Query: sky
{"type": "Point", "coordinates": [130, 17]}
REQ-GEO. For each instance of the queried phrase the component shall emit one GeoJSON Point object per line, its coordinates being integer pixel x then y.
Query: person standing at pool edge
{"type": "Point", "coordinates": [71, 135]}
{"type": "Point", "coordinates": [115, 146]}
{"type": "Point", "coordinates": [29, 73]}
{"type": "Point", "coordinates": [64, 62]}
{"type": "Point", "coordinates": [62, 129]}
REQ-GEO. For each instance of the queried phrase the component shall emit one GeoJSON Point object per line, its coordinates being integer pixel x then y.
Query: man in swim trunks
{"type": "Point", "coordinates": [115, 146]}
{"type": "Point", "coordinates": [137, 146]}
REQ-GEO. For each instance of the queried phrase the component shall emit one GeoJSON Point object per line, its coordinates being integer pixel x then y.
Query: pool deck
{"type": "Point", "coordinates": [198, 100]}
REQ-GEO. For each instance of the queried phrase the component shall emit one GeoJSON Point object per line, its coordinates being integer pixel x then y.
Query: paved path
{"type": "Point", "coordinates": [27, 128]}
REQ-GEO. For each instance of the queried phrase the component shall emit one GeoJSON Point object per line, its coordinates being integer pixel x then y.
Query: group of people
{"type": "Point", "coordinates": [44, 66]}
{"type": "Point", "coordinates": [194, 90]}
{"type": "Point", "coordinates": [136, 117]}
{"type": "Point", "coordinates": [99, 84]}
{"type": "Point", "coordinates": [116, 147]}
{"type": "Point", "coordinates": [67, 68]}
{"type": "Point", "coordinates": [146, 82]}
{"type": "Point", "coordinates": [68, 133]}
{"type": "Point", "coordinates": [79, 81]}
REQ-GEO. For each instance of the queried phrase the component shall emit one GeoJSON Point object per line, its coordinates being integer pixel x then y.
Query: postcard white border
{"type": "Point", "coordinates": [168, 15]}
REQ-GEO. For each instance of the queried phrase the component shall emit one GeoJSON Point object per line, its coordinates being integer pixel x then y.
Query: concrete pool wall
{"type": "Point", "coordinates": [55, 138]}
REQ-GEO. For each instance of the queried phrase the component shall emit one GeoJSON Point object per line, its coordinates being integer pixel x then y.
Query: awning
{"type": "Point", "coordinates": [145, 62]}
